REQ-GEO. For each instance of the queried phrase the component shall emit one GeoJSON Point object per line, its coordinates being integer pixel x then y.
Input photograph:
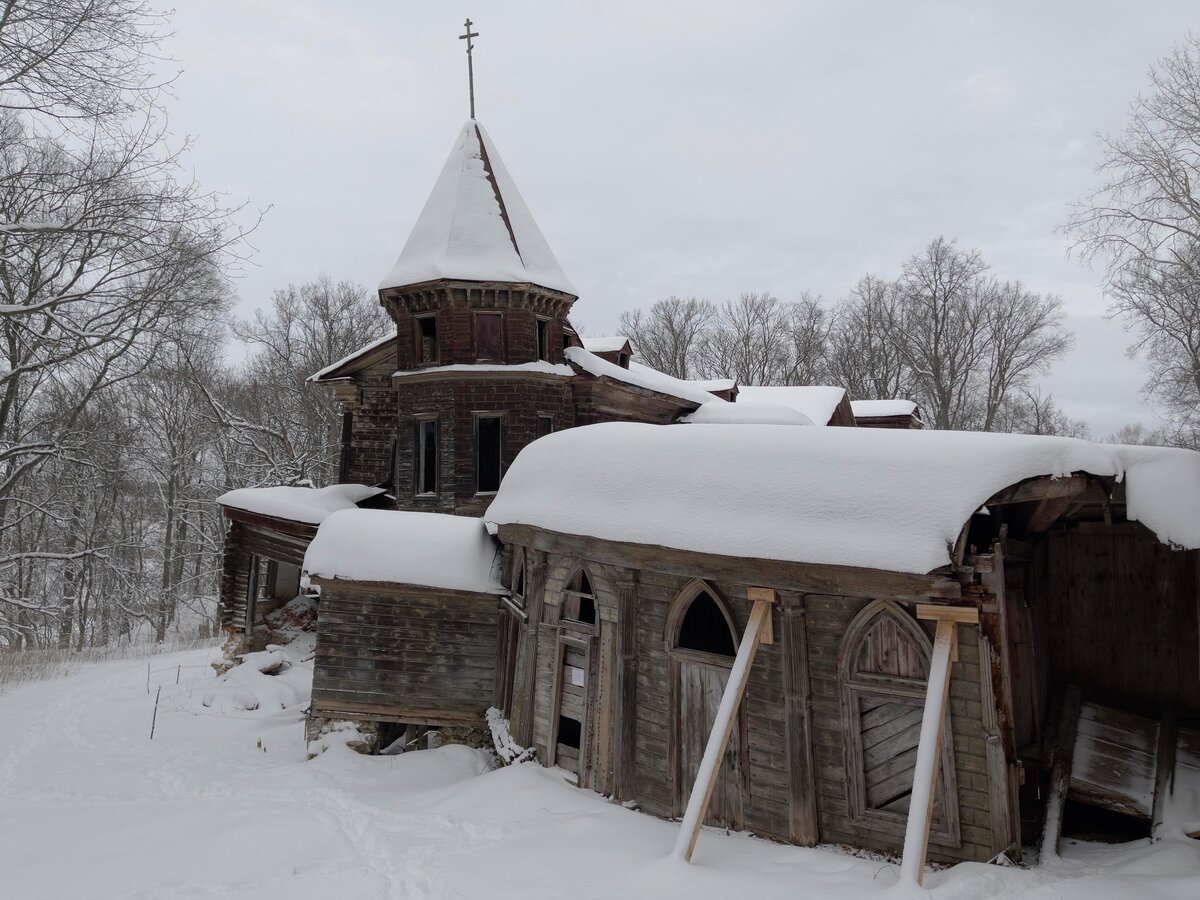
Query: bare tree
{"type": "Point", "coordinates": [1024, 334]}
{"type": "Point", "coordinates": [287, 430]}
{"type": "Point", "coordinates": [669, 336]}
{"type": "Point", "coordinates": [748, 341]}
{"type": "Point", "coordinates": [939, 326]}
{"type": "Point", "coordinates": [862, 357]}
{"type": "Point", "coordinates": [78, 59]}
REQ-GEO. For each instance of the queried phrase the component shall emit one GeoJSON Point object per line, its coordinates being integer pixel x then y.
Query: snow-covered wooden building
{"type": "Point", "coordinates": [587, 544]}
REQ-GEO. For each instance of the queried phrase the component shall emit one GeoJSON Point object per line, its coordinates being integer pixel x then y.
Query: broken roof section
{"type": "Point", "coordinates": [639, 376]}
{"type": "Point", "coordinates": [475, 226]}
{"type": "Point", "coordinates": [359, 359]}
{"type": "Point", "coordinates": [306, 505]}
{"type": "Point", "coordinates": [872, 498]}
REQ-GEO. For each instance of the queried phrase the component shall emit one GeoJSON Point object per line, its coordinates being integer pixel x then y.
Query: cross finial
{"type": "Point", "coordinates": [470, 62]}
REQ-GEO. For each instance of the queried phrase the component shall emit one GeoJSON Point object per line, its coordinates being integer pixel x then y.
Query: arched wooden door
{"type": "Point", "coordinates": [703, 643]}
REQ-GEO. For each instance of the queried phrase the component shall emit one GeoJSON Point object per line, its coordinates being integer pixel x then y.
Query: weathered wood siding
{"type": "Point", "coordinates": [1121, 617]}
{"type": "Point", "coordinates": [243, 541]}
{"type": "Point", "coordinates": [828, 619]}
{"type": "Point", "coordinates": [400, 653]}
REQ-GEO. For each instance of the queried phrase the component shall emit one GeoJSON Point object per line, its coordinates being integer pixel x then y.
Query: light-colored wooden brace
{"type": "Point", "coordinates": [929, 750]}
{"type": "Point", "coordinates": [758, 631]}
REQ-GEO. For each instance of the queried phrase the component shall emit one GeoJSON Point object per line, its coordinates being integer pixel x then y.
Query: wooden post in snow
{"type": "Point", "coordinates": [758, 631]}
{"type": "Point", "coordinates": [929, 750]}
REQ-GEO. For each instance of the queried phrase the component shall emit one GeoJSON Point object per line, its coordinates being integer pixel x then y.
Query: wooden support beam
{"type": "Point", "coordinates": [1040, 489]}
{"type": "Point", "coordinates": [718, 738]}
{"type": "Point", "coordinates": [929, 749]}
{"type": "Point", "coordinates": [1164, 771]}
{"type": "Point", "coordinates": [1062, 755]}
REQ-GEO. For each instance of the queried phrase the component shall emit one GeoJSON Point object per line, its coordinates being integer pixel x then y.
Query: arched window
{"type": "Point", "coordinates": [579, 602]}
{"type": "Point", "coordinates": [883, 667]}
{"type": "Point", "coordinates": [705, 628]}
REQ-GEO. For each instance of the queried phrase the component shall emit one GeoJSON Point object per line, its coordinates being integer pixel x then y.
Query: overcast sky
{"type": "Point", "coordinates": [689, 148]}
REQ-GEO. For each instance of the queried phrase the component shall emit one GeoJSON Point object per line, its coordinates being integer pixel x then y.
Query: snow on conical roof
{"type": "Point", "coordinates": [475, 226]}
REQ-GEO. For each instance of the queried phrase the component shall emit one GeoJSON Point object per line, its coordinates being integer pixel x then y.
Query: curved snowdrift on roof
{"type": "Point", "coordinates": [310, 506]}
{"type": "Point", "coordinates": [878, 499]}
{"type": "Point", "coordinates": [748, 413]}
{"type": "Point", "coordinates": [430, 549]}
{"type": "Point", "coordinates": [818, 402]}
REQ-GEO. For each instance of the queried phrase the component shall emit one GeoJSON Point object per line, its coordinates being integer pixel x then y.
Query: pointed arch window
{"type": "Point", "coordinates": [579, 602]}
{"type": "Point", "coordinates": [883, 668]}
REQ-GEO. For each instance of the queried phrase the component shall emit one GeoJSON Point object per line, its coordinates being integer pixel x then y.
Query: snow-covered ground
{"type": "Point", "coordinates": [223, 804]}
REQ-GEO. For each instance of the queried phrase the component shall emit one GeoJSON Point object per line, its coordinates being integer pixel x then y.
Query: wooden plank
{"type": "Point", "coordinates": [1061, 757]}
{"type": "Point", "coordinates": [929, 753]}
{"type": "Point", "coordinates": [803, 577]}
{"type": "Point", "coordinates": [1041, 488]}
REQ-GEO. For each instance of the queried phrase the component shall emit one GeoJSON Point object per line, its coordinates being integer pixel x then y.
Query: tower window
{"type": "Point", "coordinates": [488, 441]}
{"type": "Point", "coordinates": [543, 339]}
{"type": "Point", "coordinates": [427, 342]}
{"type": "Point", "coordinates": [427, 456]}
{"type": "Point", "coordinates": [545, 425]}
{"type": "Point", "coordinates": [488, 336]}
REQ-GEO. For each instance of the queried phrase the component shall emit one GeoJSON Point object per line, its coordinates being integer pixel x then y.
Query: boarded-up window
{"type": "Point", "coordinates": [488, 443]}
{"type": "Point", "coordinates": [885, 664]}
{"type": "Point", "coordinates": [488, 336]}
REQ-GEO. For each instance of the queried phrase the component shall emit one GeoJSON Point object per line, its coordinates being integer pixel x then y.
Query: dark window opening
{"type": "Point", "coordinates": [488, 336]}
{"type": "Point", "coordinates": [427, 342]}
{"type": "Point", "coordinates": [543, 339]}
{"type": "Point", "coordinates": [569, 732]}
{"type": "Point", "coordinates": [487, 454]}
{"type": "Point", "coordinates": [580, 604]}
{"type": "Point", "coordinates": [347, 443]}
{"type": "Point", "coordinates": [705, 629]}
{"type": "Point", "coordinates": [427, 457]}
{"type": "Point", "coordinates": [519, 586]}
{"type": "Point", "coordinates": [545, 425]}
{"type": "Point", "coordinates": [623, 360]}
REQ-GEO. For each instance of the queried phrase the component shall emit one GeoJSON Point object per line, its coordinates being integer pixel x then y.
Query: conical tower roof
{"type": "Point", "coordinates": [475, 226]}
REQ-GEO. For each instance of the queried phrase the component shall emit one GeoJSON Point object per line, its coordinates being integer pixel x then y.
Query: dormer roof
{"type": "Point", "coordinates": [476, 227]}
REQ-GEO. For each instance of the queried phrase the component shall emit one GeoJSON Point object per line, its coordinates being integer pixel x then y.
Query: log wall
{"type": "Point", "coordinates": [400, 653]}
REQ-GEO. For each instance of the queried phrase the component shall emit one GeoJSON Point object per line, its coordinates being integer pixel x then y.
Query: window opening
{"type": "Point", "coordinates": [427, 349]}
{"type": "Point", "coordinates": [488, 339]}
{"type": "Point", "coordinates": [427, 456]}
{"type": "Point", "coordinates": [569, 732]}
{"type": "Point", "coordinates": [545, 425]}
{"type": "Point", "coordinates": [487, 454]}
{"type": "Point", "coordinates": [543, 339]}
{"type": "Point", "coordinates": [705, 628]}
{"type": "Point", "coordinates": [580, 603]}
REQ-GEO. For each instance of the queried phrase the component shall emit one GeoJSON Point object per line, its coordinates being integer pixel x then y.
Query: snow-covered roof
{"type": "Point", "coordinates": [641, 376]}
{"type": "Point", "coordinates": [869, 408]}
{"type": "Point", "coordinates": [749, 413]}
{"type": "Point", "coordinates": [705, 384]}
{"type": "Point", "coordinates": [873, 498]}
{"type": "Point", "coordinates": [475, 226]}
{"type": "Point", "coordinates": [356, 355]}
{"type": "Point", "coordinates": [540, 367]}
{"type": "Point", "coordinates": [604, 344]}
{"type": "Point", "coordinates": [435, 550]}
{"type": "Point", "coordinates": [308, 505]}
{"type": "Point", "coordinates": [815, 401]}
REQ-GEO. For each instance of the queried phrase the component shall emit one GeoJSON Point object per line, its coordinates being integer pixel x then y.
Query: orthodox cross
{"type": "Point", "coordinates": [470, 63]}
